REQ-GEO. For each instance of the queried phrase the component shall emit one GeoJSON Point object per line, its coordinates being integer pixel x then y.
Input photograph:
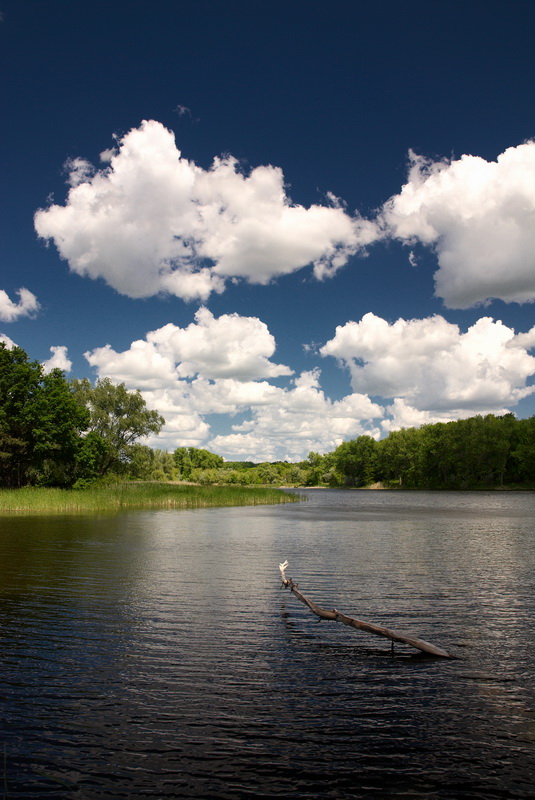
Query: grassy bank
{"type": "Point", "coordinates": [33, 500]}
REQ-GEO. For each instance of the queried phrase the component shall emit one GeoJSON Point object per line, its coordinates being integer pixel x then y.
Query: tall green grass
{"type": "Point", "coordinates": [33, 500]}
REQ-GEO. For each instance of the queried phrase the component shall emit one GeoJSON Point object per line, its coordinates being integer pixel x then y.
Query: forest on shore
{"type": "Point", "coordinates": [482, 452]}
{"type": "Point", "coordinates": [69, 434]}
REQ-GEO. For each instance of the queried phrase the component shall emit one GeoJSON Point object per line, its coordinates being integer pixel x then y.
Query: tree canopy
{"type": "Point", "coordinates": [118, 418]}
{"type": "Point", "coordinates": [40, 423]}
{"type": "Point", "coordinates": [55, 433]}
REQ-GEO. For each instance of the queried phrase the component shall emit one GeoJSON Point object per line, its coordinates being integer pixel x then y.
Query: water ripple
{"type": "Point", "coordinates": [155, 655]}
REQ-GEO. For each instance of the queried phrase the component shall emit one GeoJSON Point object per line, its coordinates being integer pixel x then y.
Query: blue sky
{"type": "Point", "coordinates": [286, 223]}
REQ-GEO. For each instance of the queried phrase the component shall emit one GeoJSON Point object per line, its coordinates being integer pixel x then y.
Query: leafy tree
{"type": "Point", "coordinates": [204, 459]}
{"type": "Point", "coordinates": [240, 464]}
{"type": "Point", "coordinates": [57, 422]}
{"type": "Point", "coordinates": [400, 457]}
{"type": "Point", "coordinates": [188, 459]}
{"type": "Point", "coordinates": [478, 451]}
{"type": "Point", "coordinates": [142, 462]}
{"type": "Point", "coordinates": [494, 445]}
{"type": "Point", "coordinates": [295, 475]}
{"type": "Point", "coordinates": [319, 469]}
{"type": "Point", "coordinates": [523, 451]}
{"type": "Point", "coordinates": [268, 473]}
{"type": "Point", "coordinates": [92, 459]}
{"type": "Point", "coordinates": [356, 461]}
{"type": "Point", "coordinates": [441, 455]}
{"type": "Point", "coordinates": [183, 463]}
{"type": "Point", "coordinates": [118, 416]}
{"type": "Point", "coordinates": [40, 423]}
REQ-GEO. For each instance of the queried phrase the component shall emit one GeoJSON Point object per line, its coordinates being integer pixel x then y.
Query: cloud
{"type": "Point", "coordinates": [152, 222]}
{"type": "Point", "coordinates": [402, 415]}
{"type": "Point", "coordinates": [437, 371]}
{"type": "Point", "coordinates": [58, 360]}
{"type": "Point", "coordinates": [479, 218]}
{"type": "Point", "coordinates": [10, 311]}
{"type": "Point", "coordinates": [405, 374]}
{"type": "Point", "coordinates": [222, 366]}
{"type": "Point", "coordinates": [229, 346]}
{"type": "Point", "coordinates": [79, 170]}
{"type": "Point", "coordinates": [9, 343]}
{"type": "Point", "coordinates": [214, 365]}
{"type": "Point", "coordinates": [298, 420]}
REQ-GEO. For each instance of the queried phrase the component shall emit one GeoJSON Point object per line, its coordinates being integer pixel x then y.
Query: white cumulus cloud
{"type": "Point", "coordinates": [10, 311]}
{"type": "Point", "coordinates": [9, 343]}
{"type": "Point", "coordinates": [58, 360]}
{"type": "Point", "coordinates": [228, 346]}
{"type": "Point", "coordinates": [479, 217]}
{"type": "Point", "coordinates": [403, 374]}
{"type": "Point", "coordinates": [298, 420]}
{"type": "Point", "coordinates": [223, 366]}
{"type": "Point", "coordinates": [151, 222]}
{"type": "Point", "coordinates": [435, 369]}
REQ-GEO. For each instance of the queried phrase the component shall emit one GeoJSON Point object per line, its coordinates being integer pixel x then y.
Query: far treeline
{"type": "Point", "coordinates": [60, 433]}
{"type": "Point", "coordinates": [480, 452]}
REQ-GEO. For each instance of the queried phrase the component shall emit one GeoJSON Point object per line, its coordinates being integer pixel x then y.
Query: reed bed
{"type": "Point", "coordinates": [32, 500]}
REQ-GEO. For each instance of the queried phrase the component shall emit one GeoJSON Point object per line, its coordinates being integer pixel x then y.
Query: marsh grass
{"type": "Point", "coordinates": [32, 500]}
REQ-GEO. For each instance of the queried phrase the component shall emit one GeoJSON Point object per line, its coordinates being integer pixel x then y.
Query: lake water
{"type": "Point", "coordinates": [155, 654]}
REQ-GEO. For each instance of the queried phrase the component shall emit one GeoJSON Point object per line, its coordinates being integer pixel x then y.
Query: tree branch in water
{"type": "Point", "coordinates": [379, 630]}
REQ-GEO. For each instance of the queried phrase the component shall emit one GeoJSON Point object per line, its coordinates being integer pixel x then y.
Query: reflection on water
{"type": "Point", "coordinates": [155, 655]}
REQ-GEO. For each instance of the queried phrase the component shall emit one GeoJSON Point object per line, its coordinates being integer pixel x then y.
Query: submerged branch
{"type": "Point", "coordinates": [378, 630]}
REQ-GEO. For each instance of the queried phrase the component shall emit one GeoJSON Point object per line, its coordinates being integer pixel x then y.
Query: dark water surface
{"type": "Point", "coordinates": [155, 655]}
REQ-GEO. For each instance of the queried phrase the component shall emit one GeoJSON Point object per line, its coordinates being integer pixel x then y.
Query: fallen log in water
{"type": "Point", "coordinates": [378, 630]}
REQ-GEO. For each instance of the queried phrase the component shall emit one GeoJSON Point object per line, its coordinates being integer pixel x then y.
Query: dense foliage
{"type": "Point", "coordinates": [469, 453]}
{"type": "Point", "coordinates": [118, 418]}
{"type": "Point", "coordinates": [40, 423]}
{"type": "Point", "coordinates": [56, 433]}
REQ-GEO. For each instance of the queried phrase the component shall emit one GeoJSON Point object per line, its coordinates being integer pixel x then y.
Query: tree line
{"type": "Point", "coordinates": [480, 452]}
{"type": "Point", "coordinates": [55, 432]}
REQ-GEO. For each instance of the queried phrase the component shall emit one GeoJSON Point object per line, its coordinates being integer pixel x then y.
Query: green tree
{"type": "Point", "coordinates": [523, 452]}
{"type": "Point", "coordinates": [400, 457]}
{"type": "Point", "coordinates": [204, 459]}
{"type": "Point", "coordinates": [57, 424]}
{"type": "Point", "coordinates": [40, 423]}
{"type": "Point", "coordinates": [356, 461]}
{"type": "Point", "coordinates": [269, 473]}
{"type": "Point", "coordinates": [441, 455]}
{"type": "Point", "coordinates": [142, 462]}
{"type": "Point", "coordinates": [188, 459]}
{"type": "Point", "coordinates": [92, 459]}
{"type": "Point", "coordinates": [319, 469]}
{"type": "Point", "coordinates": [118, 416]}
{"type": "Point", "coordinates": [183, 463]}
{"type": "Point", "coordinates": [478, 451]}
{"type": "Point", "coordinates": [151, 465]}
{"type": "Point", "coordinates": [164, 465]}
